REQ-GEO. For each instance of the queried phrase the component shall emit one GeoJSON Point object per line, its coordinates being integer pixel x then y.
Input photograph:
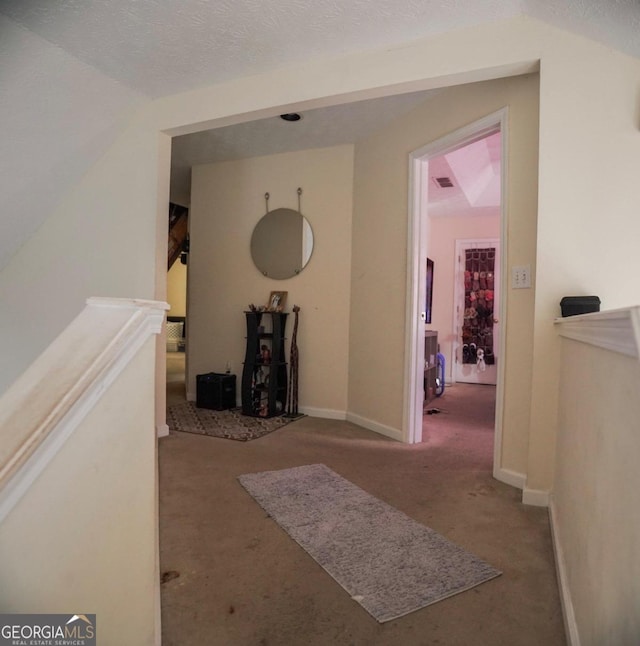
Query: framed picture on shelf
{"type": "Point", "coordinates": [277, 301]}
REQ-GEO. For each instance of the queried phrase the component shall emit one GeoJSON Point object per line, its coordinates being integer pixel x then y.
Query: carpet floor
{"type": "Point", "coordinates": [237, 580]}
{"type": "Point", "coordinates": [227, 424]}
{"type": "Point", "coordinates": [387, 562]}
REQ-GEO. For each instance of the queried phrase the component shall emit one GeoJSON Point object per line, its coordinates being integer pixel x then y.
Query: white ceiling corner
{"type": "Point", "coordinates": [161, 47]}
{"type": "Point", "coordinates": [129, 50]}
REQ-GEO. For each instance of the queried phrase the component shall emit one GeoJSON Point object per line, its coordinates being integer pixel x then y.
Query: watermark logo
{"type": "Point", "coordinates": [47, 630]}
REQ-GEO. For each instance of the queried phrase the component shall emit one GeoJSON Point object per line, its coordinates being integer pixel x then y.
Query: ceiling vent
{"type": "Point", "coordinates": [443, 182]}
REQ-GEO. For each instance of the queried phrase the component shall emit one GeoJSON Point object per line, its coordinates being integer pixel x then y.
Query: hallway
{"type": "Point", "coordinates": [243, 582]}
{"type": "Point", "coordinates": [462, 433]}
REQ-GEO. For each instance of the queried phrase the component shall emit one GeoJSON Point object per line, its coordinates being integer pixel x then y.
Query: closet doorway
{"type": "Point", "coordinates": [476, 332]}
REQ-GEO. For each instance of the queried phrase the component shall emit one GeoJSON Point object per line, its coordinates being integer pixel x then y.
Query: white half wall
{"type": "Point", "coordinates": [595, 509]}
{"type": "Point", "coordinates": [86, 529]}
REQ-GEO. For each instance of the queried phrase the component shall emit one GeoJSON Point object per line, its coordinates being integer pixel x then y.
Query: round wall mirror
{"type": "Point", "coordinates": [282, 243]}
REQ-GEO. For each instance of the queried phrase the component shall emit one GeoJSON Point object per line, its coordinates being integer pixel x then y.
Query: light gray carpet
{"type": "Point", "coordinates": [390, 564]}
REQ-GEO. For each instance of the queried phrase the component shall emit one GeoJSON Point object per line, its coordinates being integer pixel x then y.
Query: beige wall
{"type": "Point", "coordinates": [587, 211]}
{"type": "Point", "coordinates": [62, 116]}
{"type": "Point", "coordinates": [227, 201]}
{"type": "Point", "coordinates": [596, 517]}
{"type": "Point", "coordinates": [588, 112]}
{"type": "Point", "coordinates": [177, 289]}
{"type": "Point", "coordinates": [84, 534]}
{"type": "Point", "coordinates": [377, 345]}
{"type": "Point", "coordinates": [443, 233]}
{"type": "Point", "coordinates": [101, 241]}
{"type": "Point", "coordinates": [588, 224]}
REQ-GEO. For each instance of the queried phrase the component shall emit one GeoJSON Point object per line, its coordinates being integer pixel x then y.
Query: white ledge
{"type": "Point", "coordinates": [615, 330]}
{"type": "Point", "coordinates": [43, 407]}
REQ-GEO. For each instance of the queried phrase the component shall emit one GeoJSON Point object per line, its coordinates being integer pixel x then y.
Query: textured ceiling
{"type": "Point", "coordinates": [332, 126]}
{"type": "Point", "coordinates": [613, 22]}
{"type": "Point", "coordinates": [160, 47]}
{"type": "Point", "coordinates": [72, 70]}
{"type": "Point", "coordinates": [474, 169]}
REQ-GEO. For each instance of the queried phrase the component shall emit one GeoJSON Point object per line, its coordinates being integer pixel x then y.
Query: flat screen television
{"type": "Point", "coordinates": [429, 291]}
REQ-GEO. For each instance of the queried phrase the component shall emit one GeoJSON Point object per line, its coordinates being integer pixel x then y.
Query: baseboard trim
{"type": "Point", "coordinates": [325, 413]}
{"type": "Point", "coordinates": [510, 477]}
{"type": "Point", "coordinates": [568, 614]}
{"type": "Point", "coordinates": [162, 430]}
{"type": "Point", "coordinates": [376, 427]}
{"type": "Point", "coordinates": [535, 497]}
{"type": "Point", "coordinates": [191, 397]}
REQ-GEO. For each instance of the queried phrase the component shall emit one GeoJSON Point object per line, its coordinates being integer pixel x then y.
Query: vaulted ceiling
{"type": "Point", "coordinates": [160, 47]}
{"type": "Point", "coordinates": [466, 181]}
{"type": "Point", "coordinates": [73, 70]}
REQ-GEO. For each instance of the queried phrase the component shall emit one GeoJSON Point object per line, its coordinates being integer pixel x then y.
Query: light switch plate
{"type": "Point", "coordinates": [521, 276]}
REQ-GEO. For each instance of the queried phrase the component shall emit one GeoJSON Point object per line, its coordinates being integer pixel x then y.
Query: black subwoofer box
{"type": "Point", "coordinates": [216, 391]}
{"type": "Point", "coordinates": [573, 305]}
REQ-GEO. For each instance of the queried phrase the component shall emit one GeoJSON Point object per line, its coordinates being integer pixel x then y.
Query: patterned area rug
{"type": "Point", "coordinates": [387, 562]}
{"type": "Point", "coordinates": [229, 424]}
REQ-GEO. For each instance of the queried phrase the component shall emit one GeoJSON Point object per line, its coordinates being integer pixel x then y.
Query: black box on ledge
{"type": "Point", "coordinates": [574, 305]}
{"type": "Point", "coordinates": [216, 391]}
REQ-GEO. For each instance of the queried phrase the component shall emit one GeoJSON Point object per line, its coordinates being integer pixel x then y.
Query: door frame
{"type": "Point", "coordinates": [416, 278]}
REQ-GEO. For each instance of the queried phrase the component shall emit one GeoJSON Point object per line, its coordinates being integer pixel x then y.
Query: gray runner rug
{"type": "Point", "coordinates": [390, 564]}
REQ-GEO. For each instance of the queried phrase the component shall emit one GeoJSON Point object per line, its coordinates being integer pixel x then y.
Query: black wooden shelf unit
{"type": "Point", "coordinates": [264, 375]}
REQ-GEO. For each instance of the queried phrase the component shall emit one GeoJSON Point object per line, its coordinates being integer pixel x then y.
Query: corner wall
{"type": "Point", "coordinates": [59, 117]}
{"type": "Point", "coordinates": [379, 305]}
{"type": "Point", "coordinates": [227, 201]}
{"type": "Point", "coordinates": [588, 224]}
{"type": "Point", "coordinates": [100, 241]}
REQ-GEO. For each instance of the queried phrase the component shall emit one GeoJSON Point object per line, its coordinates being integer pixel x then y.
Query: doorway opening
{"type": "Point", "coordinates": [177, 276]}
{"type": "Point", "coordinates": [475, 328]}
{"type": "Point", "coordinates": [457, 218]}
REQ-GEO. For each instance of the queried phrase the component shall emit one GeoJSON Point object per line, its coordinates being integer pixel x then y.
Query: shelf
{"type": "Point", "coordinates": [264, 365]}
{"type": "Point", "coordinates": [268, 397]}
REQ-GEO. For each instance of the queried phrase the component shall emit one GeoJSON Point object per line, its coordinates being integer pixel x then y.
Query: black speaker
{"type": "Point", "coordinates": [216, 391]}
{"type": "Point", "coordinates": [574, 305]}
